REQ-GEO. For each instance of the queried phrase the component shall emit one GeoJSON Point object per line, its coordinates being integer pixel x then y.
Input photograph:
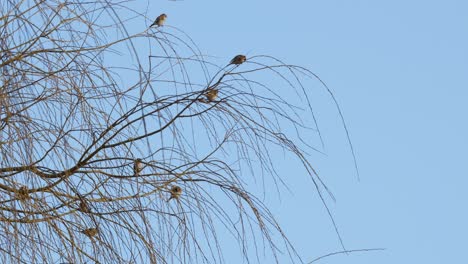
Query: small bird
{"type": "Point", "coordinates": [176, 192]}
{"type": "Point", "coordinates": [84, 207]}
{"type": "Point", "coordinates": [238, 60]}
{"type": "Point", "coordinates": [23, 193]}
{"type": "Point", "coordinates": [211, 95]}
{"type": "Point", "coordinates": [137, 167]}
{"type": "Point", "coordinates": [90, 232]}
{"type": "Point", "coordinates": [159, 20]}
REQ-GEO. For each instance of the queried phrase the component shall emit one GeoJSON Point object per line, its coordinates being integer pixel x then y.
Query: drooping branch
{"type": "Point", "coordinates": [122, 145]}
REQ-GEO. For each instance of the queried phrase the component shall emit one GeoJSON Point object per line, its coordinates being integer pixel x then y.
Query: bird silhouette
{"type": "Point", "coordinates": [90, 232]}
{"type": "Point", "coordinates": [176, 192]}
{"type": "Point", "coordinates": [137, 167]}
{"type": "Point", "coordinates": [159, 20]}
{"type": "Point", "coordinates": [239, 59]}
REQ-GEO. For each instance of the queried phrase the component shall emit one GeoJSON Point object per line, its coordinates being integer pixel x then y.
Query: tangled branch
{"type": "Point", "coordinates": [121, 147]}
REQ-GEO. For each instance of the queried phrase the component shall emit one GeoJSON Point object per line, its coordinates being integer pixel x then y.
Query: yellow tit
{"type": "Point", "coordinates": [211, 95]}
{"type": "Point", "coordinates": [90, 232]}
{"type": "Point", "coordinates": [239, 59]}
{"type": "Point", "coordinates": [176, 192]}
{"type": "Point", "coordinates": [159, 20]}
{"type": "Point", "coordinates": [137, 167]}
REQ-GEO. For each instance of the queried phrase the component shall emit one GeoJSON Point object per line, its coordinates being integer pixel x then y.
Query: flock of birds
{"type": "Point", "coordinates": [211, 93]}
{"type": "Point", "coordinates": [176, 191]}
{"type": "Point", "coordinates": [138, 166]}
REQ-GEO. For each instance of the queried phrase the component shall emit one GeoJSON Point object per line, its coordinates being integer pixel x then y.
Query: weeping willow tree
{"type": "Point", "coordinates": [121, 142]}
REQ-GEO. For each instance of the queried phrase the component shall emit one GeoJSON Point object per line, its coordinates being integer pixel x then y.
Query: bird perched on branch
{"type": "Point", "coordinates": [176, 192]}
{"type": "Point", "coordinates": [159, 20]}
{"type": "Point", "coordinates": [23, 193]}
{"type": "Point", "coordinates": [137, 167]}
{"type": "Point", "coordinates": [238, 60]}
{"type": "Point", "coordinates": [211, 95]}
{"type": "Point", "coordinates": [84, 207]}
{"type": "Point", "coordinates": [90, 232]}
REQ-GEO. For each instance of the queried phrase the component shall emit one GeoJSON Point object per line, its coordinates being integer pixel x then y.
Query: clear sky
{"type": "Point", "coordinates": [399, 70]}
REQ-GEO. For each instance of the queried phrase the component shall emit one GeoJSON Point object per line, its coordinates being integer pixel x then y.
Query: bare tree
{"type": "Point", "coordinates": [134, 147]}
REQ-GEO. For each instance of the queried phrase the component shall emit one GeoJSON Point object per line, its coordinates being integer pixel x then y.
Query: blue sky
{"type": "Point", "coordinates": [399, 71]}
